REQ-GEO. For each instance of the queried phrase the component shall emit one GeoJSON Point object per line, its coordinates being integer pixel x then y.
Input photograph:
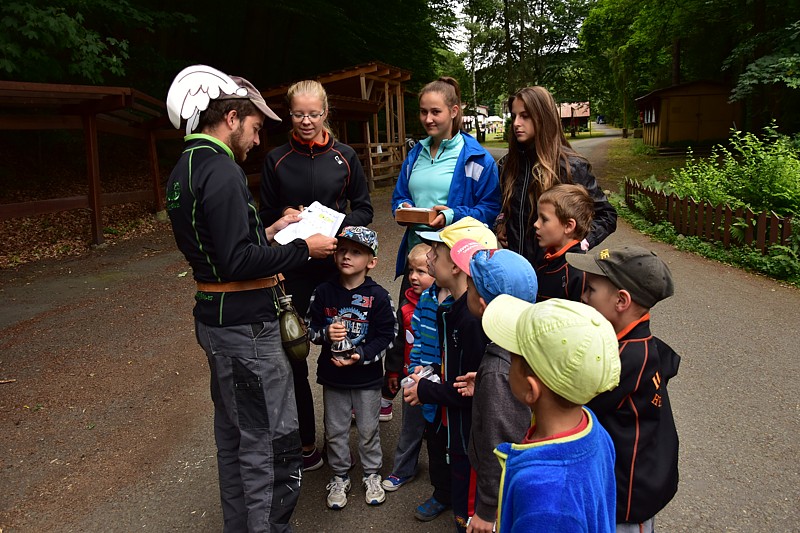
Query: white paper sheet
{"type": "Point", "coordinates": [316, 218]}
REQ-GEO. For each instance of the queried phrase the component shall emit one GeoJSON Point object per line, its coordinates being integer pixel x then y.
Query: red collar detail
{"type": "Point", "coordinates": [583, 424]}
{"type": "Point", "coordinates": [312, 144]}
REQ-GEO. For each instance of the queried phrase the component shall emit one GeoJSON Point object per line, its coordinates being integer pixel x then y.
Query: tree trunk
{"type": "Point", "coordinates": [510, 85]}
{"type": "Point", "coordinates": [676, 61]}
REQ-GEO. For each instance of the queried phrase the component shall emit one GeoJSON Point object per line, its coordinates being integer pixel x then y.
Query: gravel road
{"type": "Point", "coordinates": [106, 420]}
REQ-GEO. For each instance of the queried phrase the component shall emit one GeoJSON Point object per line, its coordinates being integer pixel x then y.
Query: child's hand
{"type": "Point", "coordinates": [410, 392]}
{"type": "Point", "coordinates": [394, 384]}
{"type": "Point", "coordinates": [346, 362]}
{"type": "Point", "coordinates": [466, 384]}
{"type": "Point", "coordinates": [336, 332]}
{"type": "Point", "coordinates": [477, 524]}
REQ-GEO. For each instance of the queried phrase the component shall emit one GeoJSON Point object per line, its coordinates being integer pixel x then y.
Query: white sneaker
{"type": "Point", "coordinates": [375, 493]}
{"type": "Point", "coordinates": [338, 487]}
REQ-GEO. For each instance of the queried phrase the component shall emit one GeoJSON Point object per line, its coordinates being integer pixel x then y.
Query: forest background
{"type": "Point", "coordinates": [607, 52]}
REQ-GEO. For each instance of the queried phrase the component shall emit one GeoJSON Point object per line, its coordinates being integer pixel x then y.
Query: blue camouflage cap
{"type": "Point", "coordinates": [361, 235]}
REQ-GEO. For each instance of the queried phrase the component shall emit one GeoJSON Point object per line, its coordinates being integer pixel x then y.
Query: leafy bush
{"type": "Point", "coordinates": [762, 173]}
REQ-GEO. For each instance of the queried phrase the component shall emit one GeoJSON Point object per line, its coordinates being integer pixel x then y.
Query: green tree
{"type": "Point", "coordinates": [637, 46]}
{"type": "Point", "coordinates": [76, 41]}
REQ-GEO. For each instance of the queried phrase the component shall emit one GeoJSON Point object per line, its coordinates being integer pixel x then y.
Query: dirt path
{"type": "Point", "coordinates": [108, 424]}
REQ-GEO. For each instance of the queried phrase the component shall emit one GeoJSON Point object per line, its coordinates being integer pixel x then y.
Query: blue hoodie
{"type": "Point", "coordinates": [474, 189]}
{"type": "Point", "coordinates": [563, 485]}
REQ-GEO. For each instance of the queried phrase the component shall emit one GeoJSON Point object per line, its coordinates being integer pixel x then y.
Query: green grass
{"type": "Point", "coordinates": [495, 140]}
{"type": "Point", "coordinates": [631, 158]}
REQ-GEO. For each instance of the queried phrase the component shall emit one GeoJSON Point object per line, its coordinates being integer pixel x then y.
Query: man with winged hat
{"type": "Point", "coordinates": [216, 226]}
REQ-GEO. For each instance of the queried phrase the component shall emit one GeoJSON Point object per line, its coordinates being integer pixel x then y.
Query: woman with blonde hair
{"type": "Point", "coordinates": [312, 166]}
{"type": "Point", "coordinates": [539, 156]}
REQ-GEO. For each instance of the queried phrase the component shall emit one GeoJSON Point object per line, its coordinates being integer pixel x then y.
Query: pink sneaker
{"type": "Point", "coordinates": [385, 413]}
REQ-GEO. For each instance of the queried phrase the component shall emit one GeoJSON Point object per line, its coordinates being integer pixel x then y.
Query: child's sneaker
{"type": "Point", "coordinates": [392, 483]}
{"type": "Point", "coordinates": [429, 509]}
{"type": "Point", "coordinates": [338, 487]}
{"type": "Point", "coordinates": [374, 492]}
{"type": "Point", "coordinates": [385, 413]}
{"type": "Point", "coordinates": [312, 460]}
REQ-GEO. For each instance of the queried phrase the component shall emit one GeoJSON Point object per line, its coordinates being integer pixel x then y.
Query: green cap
{"type": "Point", "coordinates": [570, 346]}
{"type": "Point", "coordinates": [632, 268]}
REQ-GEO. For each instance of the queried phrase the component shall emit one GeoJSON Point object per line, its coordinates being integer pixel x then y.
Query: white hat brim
{"type": "Point", "coordinates": [433, 236]}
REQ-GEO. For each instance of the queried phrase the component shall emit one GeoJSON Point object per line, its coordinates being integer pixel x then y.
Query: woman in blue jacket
{"type": "Point", "coordinates": [448, 171]}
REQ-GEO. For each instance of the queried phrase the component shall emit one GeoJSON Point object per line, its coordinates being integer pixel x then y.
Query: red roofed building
{"type": "Point", "coordinates": [574, 115]}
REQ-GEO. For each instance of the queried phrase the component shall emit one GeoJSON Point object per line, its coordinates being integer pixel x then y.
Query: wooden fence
{"type": "Point", "coordinates": [710, 222]}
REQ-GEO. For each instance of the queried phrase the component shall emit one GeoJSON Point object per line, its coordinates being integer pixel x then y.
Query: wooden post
{"type": "Point", "coordinates": [363, 87]}
{"type": "Point", "coordinates": [370, 170]}
{"type": "Point", "coordinates": [386, 97]}
{"type": "Point", "coordinates": [773, 228]}
{"type": "Point", "coordinates": [761, 232]}
{"type": "Point", "coordinates": [401, 115]}
{"type": "Point", "coordinates": [93, 175]}
{"type": "Point", "coordinates": [787, 229]}
{"type": "Point", "coordinates": [726, 235]}
{"type": "Point", "coordinates": [155, 172]}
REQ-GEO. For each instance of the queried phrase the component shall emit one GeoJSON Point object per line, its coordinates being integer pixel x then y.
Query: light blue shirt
{"type": "Point", "coordinates": [429, 183]}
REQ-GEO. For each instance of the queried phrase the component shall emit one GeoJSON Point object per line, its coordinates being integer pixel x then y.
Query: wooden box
{"type": "Point", "coordinates": [415, 215]}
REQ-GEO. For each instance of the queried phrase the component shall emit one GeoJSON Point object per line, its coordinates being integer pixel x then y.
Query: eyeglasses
{"type": "Point", "coordinates": [313, 117]}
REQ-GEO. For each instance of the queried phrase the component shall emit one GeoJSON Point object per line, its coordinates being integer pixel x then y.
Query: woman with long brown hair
{"type": "Point", "coordinates": [539, 156]}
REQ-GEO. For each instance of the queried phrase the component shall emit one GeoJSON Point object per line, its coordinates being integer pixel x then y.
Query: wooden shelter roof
{"type": "Point", "coordinates": [120, 110]}
{"type": "Point", "coordinates": [697, 87]}
{"type": "Point", "coordinates": [348, 82]}
{"type": "Point", "coordinates": [350, 90]}
{"type": "Point", "coordinates": [574, 110]}
{"type": "Point", "coordinates": [117, 110]}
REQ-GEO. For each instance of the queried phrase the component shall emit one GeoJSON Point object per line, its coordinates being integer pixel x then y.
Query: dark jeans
{"type": "Point", "coordinates": [452, 476]}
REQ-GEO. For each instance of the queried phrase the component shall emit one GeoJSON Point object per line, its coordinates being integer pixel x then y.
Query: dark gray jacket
{"type": "Point", "coordinates": [496, 417]}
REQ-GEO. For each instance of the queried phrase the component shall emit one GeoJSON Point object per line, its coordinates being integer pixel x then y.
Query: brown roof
{"type": "Point", "coordinates": [123, 110]}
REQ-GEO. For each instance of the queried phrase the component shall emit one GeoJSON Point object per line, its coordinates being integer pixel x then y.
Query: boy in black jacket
{"type": "Point", "coordinates": [623, 283]}
{"type": "Point", "coordinates": [565, 218]}
{"type": "Point", "coordinates": [463, 343]}
{"type": "Point", "coordinates": [352, 382]}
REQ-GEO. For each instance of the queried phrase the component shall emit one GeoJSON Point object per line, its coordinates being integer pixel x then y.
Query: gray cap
{"type": "Point", "coordinates": [632, 268]}
{"type": "Point", "coordinates": [253, 95]}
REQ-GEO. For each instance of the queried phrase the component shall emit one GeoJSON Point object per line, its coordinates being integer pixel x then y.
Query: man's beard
{"type": "Point", "coordinates": [237, 146]}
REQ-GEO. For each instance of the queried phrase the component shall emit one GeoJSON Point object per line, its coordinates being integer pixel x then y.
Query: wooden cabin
{"type": "Point", "coordinates": [574, 115]}
{"type": "Point", "coordinates": [696, 113]}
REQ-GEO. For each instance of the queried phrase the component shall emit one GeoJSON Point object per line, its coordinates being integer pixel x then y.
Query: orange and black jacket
{"type": "Point", "coordinates": [638, 416]}
{"type": "Point", "coordinates": [557, 278]}
{"type": "Point", "coordinates": [300, 173]}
